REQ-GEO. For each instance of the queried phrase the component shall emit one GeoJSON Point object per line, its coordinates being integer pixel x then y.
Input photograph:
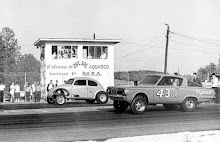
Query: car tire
{"type": "Point", "coordinates": [102, 97]}
{"type": "Point", "coordinates": [120, 106]}
{"type": "Point", "coordinates": [138, 105]}
{"type": "Point", "coordinates": [60, 99]}
{"type": "Point", "coordinates": [90, 101]}
{"type": "Point", "coordinates": [50, 101]}
{"type": "Point", "coordinates": [189, 104]}
{"type": "Point", "coordinates": [170, 106]}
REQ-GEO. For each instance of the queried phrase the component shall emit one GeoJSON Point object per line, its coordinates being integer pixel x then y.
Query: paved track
{"type": "Point", "coordinates": [102, 123]}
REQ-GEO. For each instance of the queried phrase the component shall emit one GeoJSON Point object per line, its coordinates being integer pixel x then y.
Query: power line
{"type": "Point", "coordinates": [122, 57]}
{"type": "Point", "coordinates": [210, 41]}
{"type": "Point", "coordinates": [204, 51]}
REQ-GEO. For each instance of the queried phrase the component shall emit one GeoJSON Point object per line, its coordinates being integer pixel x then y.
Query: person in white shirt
{"type": "Point", "coordinates": [2, 89]}
{"type": "Point", "coordinates": [33, 87]}
{"type": "Point", "coordinates": [214, 82]}
{"type": "Point", "coordinates": [103, 56]}
{"type": "Point", "coordinates": [17, 92]}
{"type": "Point", "coordinates": [12, 92]}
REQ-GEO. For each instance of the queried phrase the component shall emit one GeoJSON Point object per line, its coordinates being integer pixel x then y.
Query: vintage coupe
{"type": "Point", "coordinates": [78, 88]}
{"type": "Point", "coordinates": [170, 90]}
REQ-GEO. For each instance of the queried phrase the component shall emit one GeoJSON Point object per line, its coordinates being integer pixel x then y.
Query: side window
{"type": "Point", "coordinates": [92, 83]}
{"type": "Point", "coordinates": [171, 81]}
{"type": "Point", "coordinates": [166, 81]}
{"type": "Point", "coordinates": [191, 83]}
{"type": "Point", "coordinates": [80, 82]}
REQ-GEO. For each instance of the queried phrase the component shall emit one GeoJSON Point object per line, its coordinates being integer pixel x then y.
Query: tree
{"type": "Point", "coordinates": [13, 65]}
{"type": "Point", "coordinates": [9, 52]}
{"type": "Point", "coordinates": [205, 72]}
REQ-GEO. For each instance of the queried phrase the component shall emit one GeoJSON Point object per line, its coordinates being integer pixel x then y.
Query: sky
{"type": "Point", "coordinates": [194, 39]}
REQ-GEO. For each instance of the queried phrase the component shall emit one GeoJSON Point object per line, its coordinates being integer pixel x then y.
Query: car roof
{"type": "Point", "coordinates": [170, 75]}
{"type": "Point", "coordinates": [84, 78]}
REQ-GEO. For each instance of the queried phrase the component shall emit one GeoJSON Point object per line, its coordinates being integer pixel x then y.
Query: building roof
{"type": "Point", "coordinates": [44, 40]}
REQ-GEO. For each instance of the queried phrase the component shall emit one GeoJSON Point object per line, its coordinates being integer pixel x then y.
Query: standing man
{"type": "Point", "coordinates": [196, 79]}
{"type": "Point", "coordinates": [12, 92]}
{"type": "Point", "coordinates": [33, 87]}
{"type": "Point", "coordinates": [50, 85]}
{"type": "Point", "coordinates": [2, 89]}
{"type": "Point", "coordinates": [25, 90]}
{"type": "Point", "coordinates": [38, 92]}
{"type": "Point", "coordinates": [17, 92]}
{"type": "Point", "coordinates": [214, 82]}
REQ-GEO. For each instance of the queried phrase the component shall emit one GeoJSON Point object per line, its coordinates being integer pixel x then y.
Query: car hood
{"type": "Point", "coordinates": [130, 86]}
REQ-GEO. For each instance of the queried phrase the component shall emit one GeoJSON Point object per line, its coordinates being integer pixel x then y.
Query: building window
{"type": "Point", "coordinates": [95, 52]}
{"type": "Point", "coordinates": [64, 52]}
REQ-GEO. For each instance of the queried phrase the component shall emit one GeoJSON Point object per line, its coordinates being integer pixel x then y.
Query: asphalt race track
{"type": "Point", "coordinates": [104, 123]}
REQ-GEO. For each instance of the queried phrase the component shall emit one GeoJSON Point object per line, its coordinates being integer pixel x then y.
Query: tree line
{"type": "Point", "coordinates": [13, 65]}
{"type": "Point", "coordinates": [204, 73]}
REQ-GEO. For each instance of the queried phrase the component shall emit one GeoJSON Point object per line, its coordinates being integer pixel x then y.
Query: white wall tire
{"type": "Point", "coordinates": [102, 97]}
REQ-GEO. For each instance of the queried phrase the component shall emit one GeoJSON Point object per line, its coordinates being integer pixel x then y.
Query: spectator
{"type": "Point", "coordinates": [56, 84]}
{"type": "Point", "coordinates": [33, 88]}
{"type": "Point", "coordinates": [12, 92]}
{"type": "Point", "coordinates": [28, 92]}
{"type": "Point", "coordinates": [38, 92]}
{"type": "Point", "coordinates": [103, 56]}
{"type": "Point", "coordinates": [175, 73]}
{"type": "Point", "coordinates": [136, 83]}
{"type": "Point", "coordinates": [25, 86]}
{"type": "Point", "coordinates": [196, 79]}
{"type": "Point", "coordinates": [214, 82]}
{"type": "Point", "coordinates": [50, 85]}
{"type": "Point", "coordinates": [2, 89]}
{"type": "Point", "coordinates": [17, 92]}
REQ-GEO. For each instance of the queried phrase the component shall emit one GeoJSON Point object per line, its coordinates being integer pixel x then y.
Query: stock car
{"type": "Point", "coordinates": [78, 88]}
{"type": "Point", "coordinates": [170, 90]}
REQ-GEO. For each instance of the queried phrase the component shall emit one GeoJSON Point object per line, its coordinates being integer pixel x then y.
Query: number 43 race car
{"type": "Point", "coordinates": [170, 90]}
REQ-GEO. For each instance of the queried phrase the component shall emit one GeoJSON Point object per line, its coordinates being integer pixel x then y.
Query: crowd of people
{"type": "Point", "coordinates": [32, 92]}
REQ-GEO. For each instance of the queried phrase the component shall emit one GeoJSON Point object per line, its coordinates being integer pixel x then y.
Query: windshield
{"type": "Point", "coordinates": [70, 81]}
{"type": "Point", "coordinates": [151, 79]}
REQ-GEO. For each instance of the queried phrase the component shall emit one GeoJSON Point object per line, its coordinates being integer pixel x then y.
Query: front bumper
{"type": "Point", "coordinates": [117, 97]}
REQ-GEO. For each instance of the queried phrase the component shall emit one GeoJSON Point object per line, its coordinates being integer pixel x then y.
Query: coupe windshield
{"type": "Point", "coordinates": [70, 81]}
{"type": "Point", "coordinates": [150, 79]}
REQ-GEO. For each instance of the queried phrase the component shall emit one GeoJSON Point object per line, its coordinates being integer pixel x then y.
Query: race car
{"type": "Point", "coordinates": [78, 88]}
{"type": "Point", "coordinates": [170, 90]}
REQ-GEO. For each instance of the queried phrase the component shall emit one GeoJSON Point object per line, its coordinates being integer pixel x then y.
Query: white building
{"type": "Point", "coordinates": [62, 59]}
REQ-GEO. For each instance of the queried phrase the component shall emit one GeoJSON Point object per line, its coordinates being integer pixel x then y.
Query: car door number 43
{"type": "Point", "coordinates": [165, 93]}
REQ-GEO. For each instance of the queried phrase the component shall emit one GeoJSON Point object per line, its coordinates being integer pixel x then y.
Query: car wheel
{"type": "Point", "coordinates": [90, 101]}
{"type": "Point", "coordinates": [50, 101]}
{"type": "Point", "coordinates": [138, 105]}
{"type": "Point", "coordinates": [189, 104]}
{"type": "Point", "coordinates": [120, 106]}
{"type": "Point", "coordinates": [170, 106]}
{"type": "Point", "coordinates": [60, 99]}
{"type": "Point", "coordinates": [102, 97]}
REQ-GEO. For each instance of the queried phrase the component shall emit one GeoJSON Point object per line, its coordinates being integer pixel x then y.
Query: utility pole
{"type": "Point", "coordinates": [166, 51]}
